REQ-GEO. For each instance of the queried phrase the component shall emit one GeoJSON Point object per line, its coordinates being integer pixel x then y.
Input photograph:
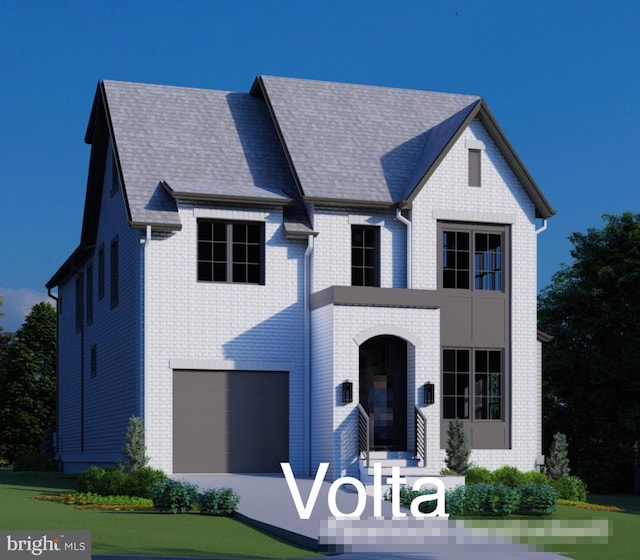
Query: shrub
{"type": "Point", "coordinates": [458, 450]}
{"type": "Point", "coordinates": [134, 448]}
{"type": "Point", "coordinates": [89, 480]}
{"type": "Point", "coordinates": [558, 460]}
{"type": "Point", "coordinates": [570, 488]}
{"type": "Point", "coordinates": [535, 477]}
{"type": "Point", "coordinates": [174, 496]}
{"type": "Point", "coordinates": [219, 501]}
{"type": "Point", "coordinates": [140, 482]}
{"type": "Point", "coordinates": [482, 499]}
{"type": "Point", "coordinates": [115, 482]}
{"type": "Point", "coordinates": [536, 499]}
{"type": "Point", "coordinates": [34, 462]}
{"type": "Point", "coordinates": [478, 475]}
{"type": "Point", "coordinates": [455, 501]}
{"type": "Point", "coordinates": [508, 475]}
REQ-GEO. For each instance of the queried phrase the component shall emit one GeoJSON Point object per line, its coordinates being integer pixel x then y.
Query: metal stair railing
{"type": "Point", "coordinates": [363, 435]}
{"type": "Point", "coordinates": [421, 436]}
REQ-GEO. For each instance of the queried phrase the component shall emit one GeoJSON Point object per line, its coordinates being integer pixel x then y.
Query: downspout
{"type": "Point", "coordinates": [542, 227]}
{"type": "Point", "coordinates": [306, 291]}
{"type": "Point", "coordinates": [56, 441]}
{"type": "Point", "coordinates": [142, 381]}
{"type": "Point", "coordinates": [407, 223]}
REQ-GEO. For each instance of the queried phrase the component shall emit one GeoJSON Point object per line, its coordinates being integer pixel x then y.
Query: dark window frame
{"type": "Point", "coordinates": [480, 263]}
{"type": "Point", "coordinates": [365, 255]}
{"type": "Point", "coordinates": [481, 405]}
{"type": "Point", "coordinates": [79, 302]}
{"type": "Point", "coordinates": [93, 361]}
{"type": "Point", "coordinates": [115, 272]}
{"type": "Point", "coordinates": [101, 272]}
{"type": "Point", "coordinates": [230, 252]}
{"type": "Point", "coordinates": [89, 295]}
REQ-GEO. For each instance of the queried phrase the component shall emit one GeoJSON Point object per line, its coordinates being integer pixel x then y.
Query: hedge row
{"type": "Point", "coordinates": [490, 499]}
{"type": "Point", "coordinates": [116, 482]}
{"type": "Point", "coordinates": [175, 496]}
{"type": "Point", "coordinates": [568, 487]}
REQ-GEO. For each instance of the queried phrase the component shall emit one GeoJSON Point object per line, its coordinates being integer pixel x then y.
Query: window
{"type": "Point", "coordinates": [474, 167]}
{"type": "Point", "coordinates": [79, 303]}
{"type": "Point", "coordinates": [455, 383]}
{"type": "Point", "coordinates": [89, 294]}
{"type": "Point", "coordinates": [364, 256]}
{"type": "Point", "coordinates": [230, 252]}
{"type": "Point", "coordinates": [115, 180]}
{"type": "Point", "coordinates": [455, 259]}
{"type": "Point", "coordinates": [488, 385]}
{"type": "Point", "coordinates": [488, 261]}
{"type": "Point", "coordinates": [458, 366]}
{"type": "Point", "coordinates": [93, 366]}
{"type": "Point", "coordinates": [115, 273]}
{"type": "Point", "coordinates": [101, 272]}
{"type": "Point", "coordinates": [485, 271]}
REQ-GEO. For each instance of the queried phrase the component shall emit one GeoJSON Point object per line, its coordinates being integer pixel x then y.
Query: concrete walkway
{"type": "Point", "coordinates": [266, 502]}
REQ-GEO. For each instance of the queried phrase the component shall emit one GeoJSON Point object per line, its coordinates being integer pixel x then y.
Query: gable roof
{"type": "Point", "coordinates": [286, 142]}
{"type": "Point", "coordinates": [371, 145]}
{"type": "Point", "coordinates": [193, 143]}
{"type": "Point", "coordinates": [351, 142]}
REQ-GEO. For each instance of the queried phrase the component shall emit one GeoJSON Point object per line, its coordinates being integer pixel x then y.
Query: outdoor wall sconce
{"type": "Point", "coordinates": [347, 392]}
{"type": "Point", "coordinates": [428, 395]}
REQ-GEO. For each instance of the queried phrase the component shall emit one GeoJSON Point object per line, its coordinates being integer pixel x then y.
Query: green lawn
{"type": "Point", "coordinates": [623, 542]}
{"type": "Point", "coordinates": [145, 533]}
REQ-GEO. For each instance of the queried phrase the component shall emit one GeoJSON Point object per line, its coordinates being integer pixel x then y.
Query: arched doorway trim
{"type": "Point", "coordinates": [394, 330]}
{"type": "Point", "coordinates": [382, 389]}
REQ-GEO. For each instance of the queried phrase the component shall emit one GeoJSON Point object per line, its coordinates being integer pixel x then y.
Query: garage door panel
{"type": "Point", "coordinates": [230, 421]}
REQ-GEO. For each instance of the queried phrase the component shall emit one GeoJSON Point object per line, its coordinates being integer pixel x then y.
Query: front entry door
{"type": "Point", "coordinates": [383, 391]}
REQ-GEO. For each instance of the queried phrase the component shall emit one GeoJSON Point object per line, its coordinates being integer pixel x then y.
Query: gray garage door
{"type": "Point", "coordinates": [230, 421]}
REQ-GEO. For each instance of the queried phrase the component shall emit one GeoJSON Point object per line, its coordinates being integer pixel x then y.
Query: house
{"type": "Point", "coordinates": [309, 272]}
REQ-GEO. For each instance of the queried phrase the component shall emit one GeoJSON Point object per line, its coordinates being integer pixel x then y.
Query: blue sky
{"type": "Point", "coordinates": [561, 77]}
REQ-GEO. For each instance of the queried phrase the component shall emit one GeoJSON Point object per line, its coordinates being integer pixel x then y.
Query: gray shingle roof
{"type": "Point", "coordinates": [356, 142]}
{"type": "Point", "coordinates": [199, 143]}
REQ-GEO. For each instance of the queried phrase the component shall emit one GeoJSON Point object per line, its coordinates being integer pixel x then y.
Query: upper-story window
{"type": "Point", "coordinates": [115, 272]}
{"type": "Point", "coordinates": [365, 267]}
{"type": "Point", "coordinates": [230, 252]}
{"type": "Point", "coordinates": [472, 258]}
{"type": "Point", "coordinates": [89, 287]}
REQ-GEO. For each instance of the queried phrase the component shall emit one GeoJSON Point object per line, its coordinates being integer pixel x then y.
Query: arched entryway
{"type": "Point", "coordinates": [383, 390]}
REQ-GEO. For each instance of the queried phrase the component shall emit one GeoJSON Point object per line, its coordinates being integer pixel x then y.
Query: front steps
{"type": "Point", "coordinates": [410, 469]}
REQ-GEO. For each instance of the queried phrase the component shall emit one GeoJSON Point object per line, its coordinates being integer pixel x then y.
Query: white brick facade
{"type": "Point", "coordinates": [166, 320]}
{"type": "Point", "coordinates": [221, 326]}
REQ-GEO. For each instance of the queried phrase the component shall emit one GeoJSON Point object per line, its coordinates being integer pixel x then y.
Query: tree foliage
{"type": "Point", "coordinates": [458, 450]}
{"type": "Point", "coordinates": [28, 384]}
{"type": "Point", "coordinates": [591, 373]}
{"type": "Point", "coordinates": [558, 461]}
{"type": "Point", "coordinates": [134, 447]}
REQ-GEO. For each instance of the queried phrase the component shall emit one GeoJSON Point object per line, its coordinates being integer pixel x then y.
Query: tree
{"type": "Point", "coordinates": [591, 379]}
{"type": "Point", "coordinates": [28, 391]}
{"type": "Point", "coordinates": [458, 450]}
{"type": "Point", "coordinates": [134, 448]}
{"type": "Point", "coordinates": [558, 461]}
